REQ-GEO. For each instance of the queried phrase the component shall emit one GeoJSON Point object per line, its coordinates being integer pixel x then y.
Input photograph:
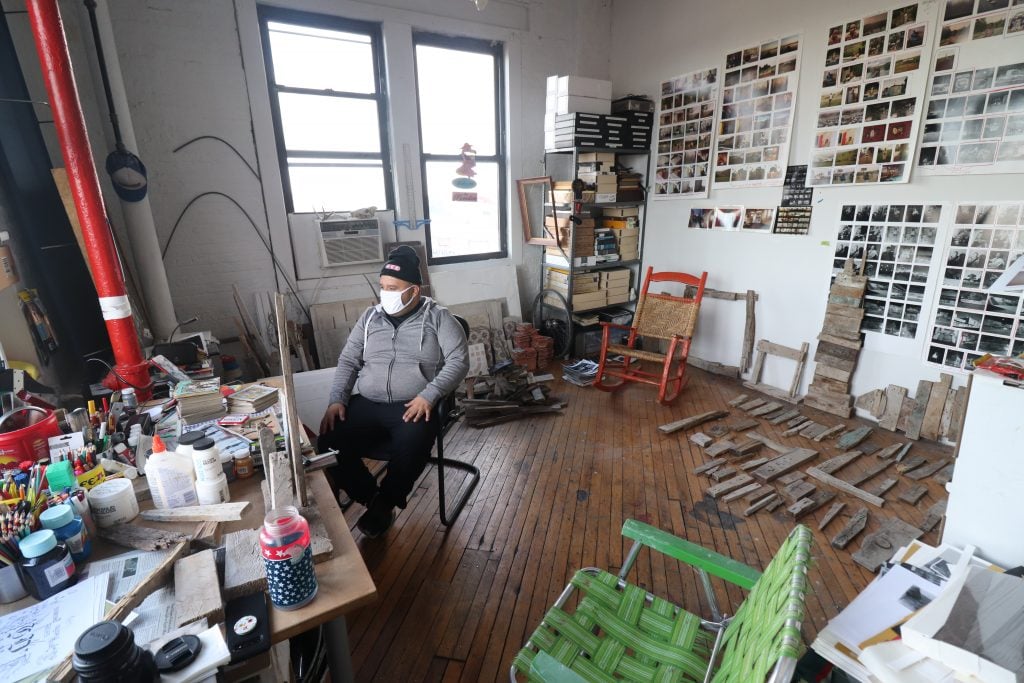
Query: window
{"type": "Point", "coordinates": [462, 147]}
{"type": "Point", "coordinates": [329, 105]}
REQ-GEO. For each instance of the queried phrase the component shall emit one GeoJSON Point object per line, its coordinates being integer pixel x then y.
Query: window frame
{"type": "Point", "coordinates": [267, 14]}
{"type": "Point", "coordinates": [495, 49]}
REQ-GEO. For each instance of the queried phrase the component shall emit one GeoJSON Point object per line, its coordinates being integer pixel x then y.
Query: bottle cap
{"type": "Point", "coordinates": [57, 516]}
{"type": "Point", "coordinates": [242, 455]}
{"type": "Point", "coordinates": [190, 438]}
{"type": "Point", "coordinates": [158, 445]}
{"type": "Point", "coordinates": [204, 443]}
{"type": "Point", "coordinates": [37, 543]}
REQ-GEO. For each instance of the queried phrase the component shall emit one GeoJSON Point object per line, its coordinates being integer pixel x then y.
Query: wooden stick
{"type": "Point", "coordinates": [221, 512]}
{"type": "Point", "coordinates": [291, 417]}
{"type": "Point", "coordinates": [845, 487]}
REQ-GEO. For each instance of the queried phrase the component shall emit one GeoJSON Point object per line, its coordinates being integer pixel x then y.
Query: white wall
{"type": "Point", "coordinates": [193, 67]}
{"type": "Point", "coordinates": [657, 39]}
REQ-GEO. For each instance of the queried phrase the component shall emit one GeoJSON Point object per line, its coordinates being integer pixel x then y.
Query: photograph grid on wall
{"type": "Point", "coordinates": [965, 21]}
{"type": "Point", "coordinates": [686, 127]}
{"type": "Point", "coordinates": [755, 117]}
{"type": "Point", "coordinates": [969, 320]}
{"type": "Point", "coordinates": [896, 243]}
{"type": "Point", "coordinates": [872, 91]}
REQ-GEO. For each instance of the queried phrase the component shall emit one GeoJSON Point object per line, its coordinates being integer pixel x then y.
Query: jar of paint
{"type": "Point", "coordinates": [48, 567]}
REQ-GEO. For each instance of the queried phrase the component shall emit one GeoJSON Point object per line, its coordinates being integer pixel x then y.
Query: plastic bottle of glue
{"type": "Point", "coordinates": [171, 477]}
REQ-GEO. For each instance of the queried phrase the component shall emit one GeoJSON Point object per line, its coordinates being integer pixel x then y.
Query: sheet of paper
{"type": "Point", "coordinates": [37, 638]}
{"type": "Point", "coordinates": [882, 604]}
{"type": "Point", "coordinates": [155, 616]}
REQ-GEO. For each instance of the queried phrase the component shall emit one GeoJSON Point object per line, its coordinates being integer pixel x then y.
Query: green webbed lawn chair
{"type": "Point", "coordinates": [620, 632]}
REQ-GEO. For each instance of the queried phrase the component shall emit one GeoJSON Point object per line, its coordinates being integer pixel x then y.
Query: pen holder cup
{"type": "Point", "coordinates": [11, 588]}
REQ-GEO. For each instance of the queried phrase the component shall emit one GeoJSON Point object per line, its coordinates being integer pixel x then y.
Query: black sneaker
{"type": "Point", "coordinates": [377, 519]}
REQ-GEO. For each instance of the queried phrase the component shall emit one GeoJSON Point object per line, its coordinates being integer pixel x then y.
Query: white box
{"type": "Point", "coordinates": [552, 89]}
{"type": "Point", "coordinates": [570, 104]}
{"type": "Point", "coordinates": [584, 87]}
{"type": "Point", "coordinates": [603, 198]}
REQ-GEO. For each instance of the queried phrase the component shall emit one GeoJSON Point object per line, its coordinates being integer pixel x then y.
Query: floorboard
{"type": "Point", "coordinates": [456, 604]}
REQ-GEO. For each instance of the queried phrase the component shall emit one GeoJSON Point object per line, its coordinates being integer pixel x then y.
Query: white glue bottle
{"type": "Point", "coordinates": [171, 477]}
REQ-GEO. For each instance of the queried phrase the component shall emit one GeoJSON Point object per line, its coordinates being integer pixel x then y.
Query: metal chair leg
{"type": "Point", "coordinates": [474, 478]}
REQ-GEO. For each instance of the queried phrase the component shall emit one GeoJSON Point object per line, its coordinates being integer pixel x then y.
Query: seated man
{"type": "Point", "coordinates": [402, 357]}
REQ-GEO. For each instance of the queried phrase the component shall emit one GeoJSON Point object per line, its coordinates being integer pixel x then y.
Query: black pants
{"type": "Point", "coordinates": [376, 430]}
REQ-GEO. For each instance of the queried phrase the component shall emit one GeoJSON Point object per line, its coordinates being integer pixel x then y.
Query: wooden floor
{"type": "Point", "coordinates": [457, 605]}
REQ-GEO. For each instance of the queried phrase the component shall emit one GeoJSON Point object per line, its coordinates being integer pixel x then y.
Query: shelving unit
{"type": "Point", "coordinates": [562, 165]}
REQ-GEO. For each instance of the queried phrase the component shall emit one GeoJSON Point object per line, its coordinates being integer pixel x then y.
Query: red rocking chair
{"type": "Point", "coordinates": [658, 316]}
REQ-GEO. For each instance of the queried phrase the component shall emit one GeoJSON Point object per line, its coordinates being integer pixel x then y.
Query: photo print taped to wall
{"type": "Point", "coordinates": [755, 117]}
{"type": "Point", "coordinates": [972, 318]}
{"type": "Point", "coordinates": [872, 91]}
{"type": "Point", "coordinates": [897, 244]}
{"type": "Point", "coordinates": [686, 130]}
{"type": "Point", "coordinates": [974, 119]}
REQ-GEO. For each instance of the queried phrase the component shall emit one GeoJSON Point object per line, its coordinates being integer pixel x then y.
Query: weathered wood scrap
{"type": "Point", "coordinates": [829, 432]}
{"type": "Point", "coordinates": [742, 398]}
{"type": "Point", "coordinates": [882, 487]}
{"type": "Point", "coordinates": [692, 421]}
{"type": "Point", "coordinates": [945, 475]}
{"type": "Point", "coordinates": [746, 448]}
{"type": "Point", "coordinates": [753, 464]}
{"type": "Point", "coordinates": [853, 527]}
{"type": "Point", "coordinates": [775, 502]}
{"type": "Point", "coordinates": [729, 485]}
{"type": "Point", "coordinates": [916, 419]}
{"type": "Point", "coordinates": [197, 589]}
{"type": "Point", "coordinates": [870, 400]}
{"type": "Point", "coordinates": [769, 407]}
{"type": "Point", "coordinates": [709, 465]}
{"type": "Point", "coordinates": [741, 492]}
{"type": "Point", "coordinates": [868, 448]}
{"type": "Point", "coordinates": [759, 493]}
{"type": "Point", "coordinates": [722, 473]}
{"type": "Point", "coordinates": [903, 451]}
{"type": "Point", "coordinates": [830, 515]}
{"type": "Point", "coordinates": [934, 515]}
{"type": "Point", "coordinates": [753, 403]}
{"type": "Point", "coordinates": [742, 425]}
{"type": "Point", "coordinates": [853, 437]}
{"type": "Point", "coordinates": [701, 439]}
{"type": "Point", "coordinates": [833, 465]}
{"type": "Point", "coordinates": [806, 506]}
{"type": "Point", "coordinates": [914, 494]}
{"type": "Point", "coordinates": [927, 470]}
{"type": "Point", "coordinates": [719, 448]}
{"type": "Point", "coordinates": [787, 479]}
{"type": "Point", "coordinates": [718, 431]}
{"type": "Point", "coordinates": [894, 396]}
{"type": "Point", "coordinates": [774, 445]}
{"type": "Point", "coordinates": [797, 490]}
{"type": "Point", "coordinates": [797, 428]}
{"type": "Point", "coordinates": [956, 419]}
{"type": "Point", "coordinates": [762, 503]}
{"type": "Point", "coordinates": [936, 403]}
{"type": "Point", "coordinates": [813, 432]}
{"type": "Point", "coordinates": [910, 463]}
{"type": "Point", "coordinates": [845, 487]}
{"type": "Point", "coordinates": [784, 416]}
{"type": "Point", "coordinates": [786, 463]}
{"type": "Point", "coordinates": [880, 546]}
{"type": "Point", "coordinates": [870, 473]}
{"type": "Point", "coordinates": [888, 451]}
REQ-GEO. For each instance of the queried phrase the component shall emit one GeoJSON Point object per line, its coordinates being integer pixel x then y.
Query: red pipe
{"type": "Point", "coordinates": [51, 45]}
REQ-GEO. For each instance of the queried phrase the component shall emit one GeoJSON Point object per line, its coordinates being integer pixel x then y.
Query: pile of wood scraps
{"type": "Point", "coordinates": [936, 410]}
{"type": "Point", "coordinates": [839, 345]}
{"type": "Point", "coordinates": [766, 348]}
{"type": "Point", "coordinates": [508, 393]}
{"type": "Point", "coordinates": [744, 465]}
{"type": "Point", "coordinates": [750, 298]}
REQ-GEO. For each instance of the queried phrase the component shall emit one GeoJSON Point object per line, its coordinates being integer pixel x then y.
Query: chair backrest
{"type": "Point", "coordinates": [664, 316]}
{"type": "Point", "coordinates": [766, 627]}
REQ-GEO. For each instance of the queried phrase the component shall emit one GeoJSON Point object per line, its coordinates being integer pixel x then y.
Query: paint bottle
{"type": "Point", "coordinates": [244, 465]}
{"type": "Point", "coordinates": [48, 567]}
{"type": "Point", "coordinates": [206, 460]}
{"type": "Point", "coordinates": [171, 477]}
{"type": "Point", "coordinates": [69, 530]}
{"type": "Point", "coordinates": [288, 558]}
{"type": "Point", "coordinates": [186, 442]}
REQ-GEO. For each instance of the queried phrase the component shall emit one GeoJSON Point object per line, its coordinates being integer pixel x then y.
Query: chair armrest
{"type": "Point", "coordinates": [615, 325]}
{"type": "Point", "coordinates": [692, 554]}
{"type": "Point", "coordinates": [548, 669]}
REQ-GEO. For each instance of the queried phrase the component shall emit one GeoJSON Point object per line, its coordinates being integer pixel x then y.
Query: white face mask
{"type": "Point", "coordinates": [392, 302]}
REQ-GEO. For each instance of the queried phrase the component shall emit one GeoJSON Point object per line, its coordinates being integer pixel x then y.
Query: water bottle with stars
{"type": "Point", "coordinates": [288, 558]}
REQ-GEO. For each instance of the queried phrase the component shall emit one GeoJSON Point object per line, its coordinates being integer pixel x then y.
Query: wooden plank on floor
{"type": "Point", "coordinates": [916, 419]}
{"type": "Point", "coordinates": [930, 426]}
{"type": "Point", "coordinates": [894, 396]}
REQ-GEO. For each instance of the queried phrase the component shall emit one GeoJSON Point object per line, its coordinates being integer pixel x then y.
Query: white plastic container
{"type": "Point", "coordinates": [171, 477]}
{"type": "Point", "coordinates": [113, 502]}
{"type": "Point", "coordinates": [186, 440]}
{"type": "Point", "coordinates": [206, 460]}
{"type": "Point", "coordinates": [213, 491]}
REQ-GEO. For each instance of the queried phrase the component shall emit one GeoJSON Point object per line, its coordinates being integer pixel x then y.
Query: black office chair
{"type": "Point", "coordinates": [447, 412]}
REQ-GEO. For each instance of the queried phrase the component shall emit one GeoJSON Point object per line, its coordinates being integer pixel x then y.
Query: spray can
{"type": "Point", "coordinates": [288, 558]}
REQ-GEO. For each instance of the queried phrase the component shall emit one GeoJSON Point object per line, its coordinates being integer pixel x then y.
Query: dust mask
{"type": "Point", "coordinates": [392, 302]}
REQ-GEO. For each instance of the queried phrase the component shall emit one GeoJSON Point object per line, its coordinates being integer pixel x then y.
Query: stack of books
{"type": "Point", "coordinates": [252, 399]}
{"type": "Point", "coordinates": [627, 130]}
{"type": "Point", "coordinates": [630, 186]}
{"type": "Point", "coordinates": [572, 94]}
{"type": "Point", "coordinates": [582, 373]}
{"type": "Point", "coordinates": [604, 242]}
{"type": "Point", "coordinates": [199, 401]}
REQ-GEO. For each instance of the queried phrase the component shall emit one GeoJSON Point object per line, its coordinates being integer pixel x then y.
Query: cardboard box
{"type": "Point", "coordinates": [584, 87]}
{"type": "Point", "coordinates": [620, 223]}
{"type": "Point", "coordinates": [604, 198]}
{"type": "Point", "coordinates": [570, 104]}
{"type": "Point", "coordinates": [560, 221]}
{"type": "Point", "coordinates": [597, 158]}
{"type": "Point", "coordinates": [8, 274]}
{"type": "Point", "coordinates": [596, 299]}
{"type": "Point", "coordinates": [621, 212]}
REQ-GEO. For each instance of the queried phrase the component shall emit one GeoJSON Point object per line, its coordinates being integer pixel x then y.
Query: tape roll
{"type": "Point", "coordinates": [113, 502]}
{"type": "Point", "coordinates": [115, 307]}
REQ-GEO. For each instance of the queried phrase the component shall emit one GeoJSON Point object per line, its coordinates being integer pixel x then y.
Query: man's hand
{"type": "Point", "coordinates": [417, 408]}
{"type": "Point", "coordinates": [335, 411]}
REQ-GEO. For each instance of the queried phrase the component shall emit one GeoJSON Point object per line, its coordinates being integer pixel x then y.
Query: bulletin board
{"type": "Point", "coordinates": [872, 92]}
{"type": "Point", "coordinates": [970, 317]}
{"type": "Point", "coordinates": [974, 120]}
{"type": "Point", "coordinates": [755, 117]}
{"type": "Point", "coordinates": [686, 128]}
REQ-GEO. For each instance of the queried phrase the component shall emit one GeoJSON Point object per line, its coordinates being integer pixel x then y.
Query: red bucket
{"type": "Point", "coordinates": [30, 442]}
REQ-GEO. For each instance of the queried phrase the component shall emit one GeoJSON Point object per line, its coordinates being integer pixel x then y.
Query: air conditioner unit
{"type": "Point", "coordinates": [349, 241]}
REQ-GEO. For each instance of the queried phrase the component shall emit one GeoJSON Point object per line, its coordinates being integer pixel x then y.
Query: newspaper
{"type": "Point", "coordinates": [126, 570]}
{"type": "Point", "coordinates": [154, 617]}
{"type": "Point", "coordinates": [35, 639]}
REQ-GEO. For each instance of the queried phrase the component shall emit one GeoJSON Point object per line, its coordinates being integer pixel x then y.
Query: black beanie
{"type": "Point", "coordinates": [404, 264]}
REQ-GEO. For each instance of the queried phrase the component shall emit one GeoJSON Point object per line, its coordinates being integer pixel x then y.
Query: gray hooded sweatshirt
{"type": "Point", "coordinates": [427, 355]}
